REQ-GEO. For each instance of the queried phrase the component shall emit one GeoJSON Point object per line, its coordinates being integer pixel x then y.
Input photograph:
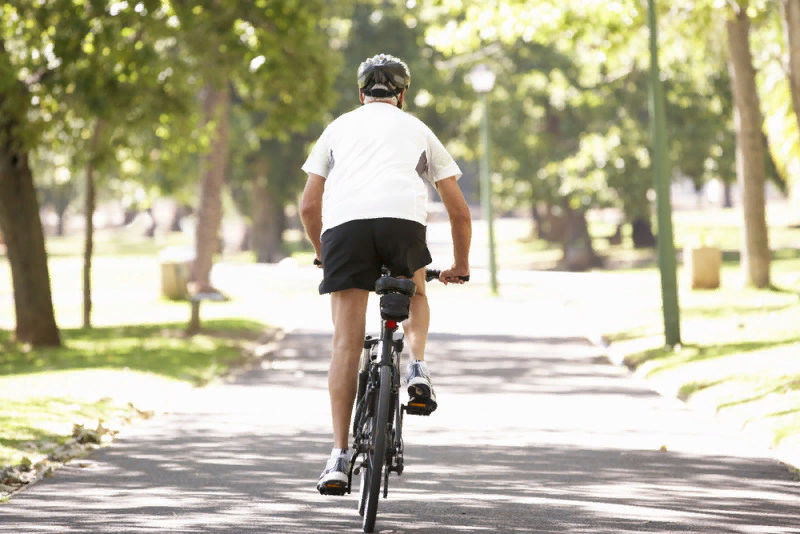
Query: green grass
{"type": "Point", "coordinates": [34, 426]}
{"type": "Point", "coordinates": [99, 371]}
{"type": "Point", "coordinates": [115, 243]}
{"type": "Point", "coordinates": [739, 355]}
{"type": "Point", "coordinates": [159, 349]}
{"type": "Point", "coordinates": [720, 227]}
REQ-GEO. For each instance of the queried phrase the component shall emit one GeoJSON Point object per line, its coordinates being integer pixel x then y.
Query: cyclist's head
{"type": "Point", "coordinates": [383, 78]}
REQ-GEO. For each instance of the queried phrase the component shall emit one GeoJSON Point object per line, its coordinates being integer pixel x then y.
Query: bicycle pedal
{"type": "Point", "coordinates": [334, 487]}
{"type": "Point", "coordinates": [420, 407]}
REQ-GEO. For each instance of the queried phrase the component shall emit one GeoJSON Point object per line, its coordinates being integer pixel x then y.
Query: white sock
{"type": "Point", "coordinates": [335, 453]}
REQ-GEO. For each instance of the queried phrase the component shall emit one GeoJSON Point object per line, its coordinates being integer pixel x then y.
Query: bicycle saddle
{"type": "Point", "coordinates": [387, 284]}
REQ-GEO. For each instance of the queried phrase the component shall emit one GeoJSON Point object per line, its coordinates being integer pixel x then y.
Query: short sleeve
{"type": "Point", "coordinates": [320, 159]}
{"type": "Point", "coordinates": [442, 164]}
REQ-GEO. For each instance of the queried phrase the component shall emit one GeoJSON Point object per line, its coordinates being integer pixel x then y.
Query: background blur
{"type": "Point", "coordinates": [178, 130]}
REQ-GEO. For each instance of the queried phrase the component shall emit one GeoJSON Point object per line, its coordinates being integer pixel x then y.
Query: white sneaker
{"type": "Point", "coordinates": [421, 396]}
{"type": "Point", "coordinates": [333, 480]}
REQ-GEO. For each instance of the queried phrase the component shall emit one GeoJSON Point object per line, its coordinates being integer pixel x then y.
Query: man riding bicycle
{"type": "Point", "coordinates": [363, 207]}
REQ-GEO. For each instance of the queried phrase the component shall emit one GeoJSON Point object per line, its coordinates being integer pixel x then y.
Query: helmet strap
{"type": "Point", "coordinates": [380, 93]}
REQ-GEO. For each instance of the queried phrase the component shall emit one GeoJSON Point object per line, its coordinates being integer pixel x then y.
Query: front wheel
{"type": "Point", "coordinates": [365, 480]}
{"type": "Point", "coordinates": [378, 453]}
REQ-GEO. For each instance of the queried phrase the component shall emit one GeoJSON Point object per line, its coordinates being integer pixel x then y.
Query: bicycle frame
{"type": "Point", "coordinates": [369, 385]}
{"type": "Point", "coordinates": [378, 418]}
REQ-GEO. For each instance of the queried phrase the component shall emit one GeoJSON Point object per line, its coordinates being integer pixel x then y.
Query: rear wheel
{"type": "Point", "coordinates": [378, 453]}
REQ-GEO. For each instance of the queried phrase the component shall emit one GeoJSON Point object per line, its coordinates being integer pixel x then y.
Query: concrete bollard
{"type": "Point", "coordinates": [175, 263]}
{"type": "Point", "coordinates": [703, 265]}
{"type": "Point", "coordinates": [174, 280]}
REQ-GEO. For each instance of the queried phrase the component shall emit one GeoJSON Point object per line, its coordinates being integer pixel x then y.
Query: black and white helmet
{"type": "Point", "coordinates": [389, 73]}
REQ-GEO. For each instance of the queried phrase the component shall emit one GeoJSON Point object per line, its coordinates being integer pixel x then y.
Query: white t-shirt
{"type": "Point", "coordinates": [375, 161]}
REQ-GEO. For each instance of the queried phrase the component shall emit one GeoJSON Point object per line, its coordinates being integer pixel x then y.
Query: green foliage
{"type": "Point", "coordinates": [66, 63]}
{"type": "Point", "coordinates": [780, 119]}
{"type": "Point", "coordinates": [139, 68]}
{"type": "Point", "coordinates": [570, 109]}
{"type": "Point", "coordinates": [353, 32]}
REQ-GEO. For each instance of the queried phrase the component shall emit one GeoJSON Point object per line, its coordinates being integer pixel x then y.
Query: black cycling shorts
{"type": "Point", "coordinates": [354, 252]}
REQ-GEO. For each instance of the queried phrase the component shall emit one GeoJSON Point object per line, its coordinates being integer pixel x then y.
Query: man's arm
{"type": "Point", "coordinates": [311, 210]}
{"type": "Point", "coordinates": [460, 226]}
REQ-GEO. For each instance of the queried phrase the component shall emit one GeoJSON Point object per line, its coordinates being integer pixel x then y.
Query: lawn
{"type": "Point", "coordinates": [720, 227]}
{"type": "Point", "coordinates": [136, 353]}
{"type": "Point", "coordinates": [739, 356]}
{"type": "Point", "coordinates": [98, 372]}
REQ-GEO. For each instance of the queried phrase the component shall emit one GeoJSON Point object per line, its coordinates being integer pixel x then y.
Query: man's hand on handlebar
{"type": "Point", "coordinates": [454, 275]}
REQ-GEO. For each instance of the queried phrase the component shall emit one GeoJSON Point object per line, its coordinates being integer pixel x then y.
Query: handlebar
{"type": "Point", "coordinates": [433, 274]}
{"type": "Point", "coordinates": [430, 274]}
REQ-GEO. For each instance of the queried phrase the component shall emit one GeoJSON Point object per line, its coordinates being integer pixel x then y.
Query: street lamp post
{"type": "Point", "coordinates": [482, 80]}
{"type": "Point", "coordinates": [666, 244]}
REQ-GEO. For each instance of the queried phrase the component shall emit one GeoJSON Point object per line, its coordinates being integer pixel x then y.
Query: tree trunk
{"type": "Point", "coordinates": [269, 223]}
{"type": "Point", "coordinates": [60, 225]}
{"type": "Point", "coordinates": [247, 239]}
{"type": "Point", "coordinates": [553, 224]}
{"type": "Point", "coordinates": [21, 226]}
{"type": "Point", "coordinates": [578, 253]}
{"type": "Point", "coordinates": [60, 205]}
{"type": "Point", "coordinates": [727, 199]}
{"type": "Point", "coordinates": [88, 248]}
{"type": "Point", "coordinates": [749, 152]}
{"type": "Point", "coordinates": [181, 212]}
{"type": "Point", "coordinates": [536, 218]}
{"type": "Point", "coordinates": [129, 216]}
{"type": "Point", "coordinates": [791, 30]}
{"type": "Point", "coordinates": [150, 231]}
{"type": "Point", "coordinates": [642, 233]}
{"type": "Point", "coordinates": [209, 213]}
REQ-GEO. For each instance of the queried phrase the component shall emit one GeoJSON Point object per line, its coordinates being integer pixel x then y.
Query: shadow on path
{"type": "Point", "coordinates": [210, 481]}
{"type": "Point", "coordinates": [532, 435]}
{"type": "Point", "coordinates": [463, 364]}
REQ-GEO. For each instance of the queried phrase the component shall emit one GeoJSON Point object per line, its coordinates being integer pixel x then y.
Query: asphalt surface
{"type": "Point", "coordinates": [534, 433]}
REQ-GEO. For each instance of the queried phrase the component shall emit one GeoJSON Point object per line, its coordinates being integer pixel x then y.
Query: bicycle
{"type": "Point", "coordinates": [378, 420]}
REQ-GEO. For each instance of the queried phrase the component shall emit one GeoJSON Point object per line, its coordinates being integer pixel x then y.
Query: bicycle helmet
{"type": "Point", "coordinates": [388, 73]}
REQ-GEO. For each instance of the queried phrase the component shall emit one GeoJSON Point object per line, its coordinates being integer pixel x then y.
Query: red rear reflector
{"type": "Point", "coordinates": [391, 325]}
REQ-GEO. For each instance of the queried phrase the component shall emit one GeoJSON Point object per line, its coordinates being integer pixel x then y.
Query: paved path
{"type": "Point", "coordinates": [533, 434]}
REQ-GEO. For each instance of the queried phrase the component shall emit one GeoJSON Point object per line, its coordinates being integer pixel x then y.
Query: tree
{"type": "Point", "coordinates": [749, 150]}
{"type": "Point", "coordinates": [265, 168]}
{"type": "Point", "coordinates": [55, 183]}
{"type": "Point", "coordinates": [272, 55]}
{"type": "Point", "coordinates": [790, 10]}
{"type": "Point", "coordinates": [21, 226]}
{"type": "Point", "coordinates": [60, 62]}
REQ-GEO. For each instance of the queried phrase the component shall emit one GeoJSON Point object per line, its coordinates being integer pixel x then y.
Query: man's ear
{"type": "Point", "coordinates": [361, 95]}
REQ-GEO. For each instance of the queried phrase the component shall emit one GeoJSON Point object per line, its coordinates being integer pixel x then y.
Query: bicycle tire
{"type": "Point", "coordinates": [364, 490]}
{"type": "Point", "coordinates": [381, 418]}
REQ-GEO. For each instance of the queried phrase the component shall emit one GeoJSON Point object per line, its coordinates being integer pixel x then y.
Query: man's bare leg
{"type": "Point", "coordinates": [348, 310]}
{"type": "Point", "coordinates": [416, 326]}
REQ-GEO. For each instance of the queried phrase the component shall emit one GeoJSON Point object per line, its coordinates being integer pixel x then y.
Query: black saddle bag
{"type": "Point", "coordinates": [395, 307]}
